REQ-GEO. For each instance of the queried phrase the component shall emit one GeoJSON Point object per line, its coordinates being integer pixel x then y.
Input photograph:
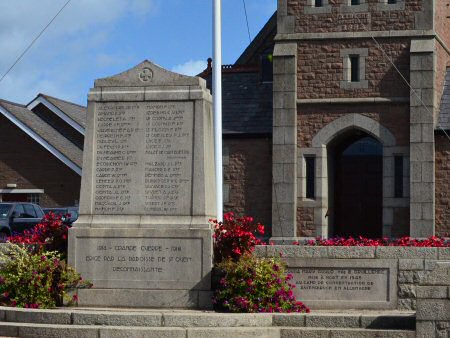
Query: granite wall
{"type": "Point", "coordinates": [409, 263]}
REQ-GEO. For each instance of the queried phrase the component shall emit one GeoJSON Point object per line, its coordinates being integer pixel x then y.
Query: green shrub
{"type": "Point", "coordinates": [254, 284]}
{"type": "Point", "coordinates": [35, 279]}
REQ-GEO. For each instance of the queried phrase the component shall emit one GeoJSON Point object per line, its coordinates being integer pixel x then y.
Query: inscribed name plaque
{"type": "Point", "coordinates": [146, 146]}
{"type": "Point", "coordinates": [147, 192]}
{"type": "Point", "coordinates": [346, 284]}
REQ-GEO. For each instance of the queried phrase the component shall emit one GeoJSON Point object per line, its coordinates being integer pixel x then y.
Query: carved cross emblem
{"type": "Point", "coordinates": [146, 74]}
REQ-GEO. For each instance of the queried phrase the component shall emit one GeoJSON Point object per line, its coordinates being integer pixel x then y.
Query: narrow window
{"type": "Point", "coordinates": [398, 167]}
{"type": "Point", "coordinates": [33, 198]}
{"type": "Point", "coordinates": [355, 2]}
{"type": "Point", "coordinates": [318, 3]}
{"type": "Point", "coordinates": [310, 176]}
{"type": "Point", "coordinates": [392, 2]}
{"type": "Point", "coordinates": [267, 67]}
{"type": "Point", "coordinates": [354, 68]}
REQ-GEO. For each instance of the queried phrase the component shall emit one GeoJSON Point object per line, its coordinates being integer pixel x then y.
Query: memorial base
{"type": "Point", "coordinates": [161, 299]}
{"type": "Point", "coordinates": [143, 267]}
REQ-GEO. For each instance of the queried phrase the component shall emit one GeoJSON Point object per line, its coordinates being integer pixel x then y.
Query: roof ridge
{"type": "Point", "coordinates": [13, 103]}
{"type": "Point", "coordinates": [58, 99]}
{"type": "Point", "coordinates": [39, 129]}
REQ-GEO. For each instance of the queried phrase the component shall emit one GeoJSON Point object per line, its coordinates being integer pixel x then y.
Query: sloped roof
{"type": "Point", "coordinates": [444, 113]}
{"type": "Point", "coordinates": [40, 130]}
{"type": "Point", "coordinates": [74, 111]}
{"type": "Point", "coordinates": [247, 103]}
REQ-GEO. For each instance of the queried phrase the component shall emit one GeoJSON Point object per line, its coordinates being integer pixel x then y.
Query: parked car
{"type": "Point", "coordinates": [68, 214]}
{"type": "Point", "coordinates": [15, 217]}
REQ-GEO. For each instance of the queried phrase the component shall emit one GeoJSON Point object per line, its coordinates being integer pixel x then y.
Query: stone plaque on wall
{"type": "Point", "coordinates": [345, 284]}
{"type": "Point", "coordinates": [147, 191]}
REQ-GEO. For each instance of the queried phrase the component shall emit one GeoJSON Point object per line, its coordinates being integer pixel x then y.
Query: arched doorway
{"type": "Point", "coordinates": [356, 188]}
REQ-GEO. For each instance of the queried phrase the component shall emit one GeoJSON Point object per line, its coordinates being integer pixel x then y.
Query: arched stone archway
{"type": "Point", "coordinates": [353, 121]}
{"type": "Point", "coordinates": [323, 150]}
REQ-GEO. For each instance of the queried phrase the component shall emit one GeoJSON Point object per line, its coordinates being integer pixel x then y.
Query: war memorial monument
{"type": "Point", "coordinates": [143, 236]}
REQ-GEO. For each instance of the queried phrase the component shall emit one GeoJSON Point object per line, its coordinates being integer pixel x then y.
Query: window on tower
{"type": "Point", "coordinates": [354, 68]}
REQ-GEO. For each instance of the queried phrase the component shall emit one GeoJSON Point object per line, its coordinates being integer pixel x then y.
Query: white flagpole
{"type": "Point", "coordinates": [217, 102]}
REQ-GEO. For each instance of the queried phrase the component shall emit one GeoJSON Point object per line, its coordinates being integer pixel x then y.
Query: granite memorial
{"type": "Point", "coordinates": [143, 236]}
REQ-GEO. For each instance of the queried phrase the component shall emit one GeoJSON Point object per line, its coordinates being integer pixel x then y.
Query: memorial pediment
{"type": "Point", "coordinates": [147, 74]}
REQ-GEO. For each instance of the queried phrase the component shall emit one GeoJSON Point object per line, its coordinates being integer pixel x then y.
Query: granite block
{"type": "Point", "coordinates": [216, 320]}
{"type": "Point", "coordinates": [432, 292]}
{"type": "Point", "coordinates": [332, 320]}
{"type": "Point", "coordinates": [433, 309]}
{"type": "Point", "coordinates": [116, 319]}
{"type": "Point", "coordinates": [235, 332]}
{"type": "Point", "coordinates": [351, 252]}
{"type": "Point", "coordinates": [37, 316]}
{"type": "Point", "coordinates": [410, 264]}
{"type": "Point", "coordinates": [289, 319]}
{"type": "Point", "coordinates": [392, 252]}
{"type": "Point", "coordinates": [135, 332]}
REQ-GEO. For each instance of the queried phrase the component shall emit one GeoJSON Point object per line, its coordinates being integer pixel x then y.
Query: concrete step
{"type": "Point", "coordinates": [308, 332]}
{"type": "Point", "coordinates": [380, 320]}
{"type": "Point", "coordinates": [76, 322]}
{"type": "Point", "coordinates": [25, 330]}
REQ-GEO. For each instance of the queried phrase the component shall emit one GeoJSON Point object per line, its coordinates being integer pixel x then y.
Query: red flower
{"type": "Point", "coordinates": [235, 236]}
{"type": "Point", "coordinates": [51, 231]}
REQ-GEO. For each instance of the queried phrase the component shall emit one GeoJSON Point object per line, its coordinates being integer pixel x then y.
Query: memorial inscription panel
{"type": "Point", "coordinates": [342, 283]}
{"type": "Point", "coordinates": [345, 283]}
{"type": "Point", "coordinates": [143, 158]}
{"type": "Point", "coordinates": [140, 262]}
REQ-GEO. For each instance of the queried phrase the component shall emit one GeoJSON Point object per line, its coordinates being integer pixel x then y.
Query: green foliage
{"type": "Point", "coordinates": [35, 279]}
{"type": "Point", "coordinates": [254, 284]}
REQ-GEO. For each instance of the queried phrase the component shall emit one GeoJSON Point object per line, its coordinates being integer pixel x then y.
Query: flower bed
{"type": "Point", "coordinates": [253, 284]}
{"type": "Point", "coordinates": [34, 273]}
{"type": "Point", "coordinates": [244, 282]}
{"type": "Point", "coordinates": [433, 241]}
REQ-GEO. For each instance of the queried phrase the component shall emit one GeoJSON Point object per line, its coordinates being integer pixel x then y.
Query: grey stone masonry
{"type": "Point", "coordinates": [147, 192]}
{"type": "Point", "coordinates": [423, 108]}
{"type": "Point", "coordinates": [284, 195]}
{"type": "Point", "coordinates": [336, 277]}
{"type": "Point", "coordinates": [433, 303]}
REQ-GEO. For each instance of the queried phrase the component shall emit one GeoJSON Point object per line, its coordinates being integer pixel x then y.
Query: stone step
{"type": "Point", "coordinates": [25, 330]}
{"type": "Point", "coordinates": [380, 320]}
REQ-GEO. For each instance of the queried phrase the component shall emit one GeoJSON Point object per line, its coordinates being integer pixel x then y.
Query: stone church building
{"type": "Point", "coordinates": [360, 115]}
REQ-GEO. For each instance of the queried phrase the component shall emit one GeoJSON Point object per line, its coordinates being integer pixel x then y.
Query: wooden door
{"type": "Point", "coordinates": [359, 196]}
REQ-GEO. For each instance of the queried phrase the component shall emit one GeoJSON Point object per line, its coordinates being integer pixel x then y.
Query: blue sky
{"type": "Point", "coordinates": [98, 38]}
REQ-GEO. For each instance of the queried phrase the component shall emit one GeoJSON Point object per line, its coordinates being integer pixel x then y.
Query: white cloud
{"type": "Point", "coordinates": [190, 67]}
{"type": "Point", "coordinates": [68, 48]}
